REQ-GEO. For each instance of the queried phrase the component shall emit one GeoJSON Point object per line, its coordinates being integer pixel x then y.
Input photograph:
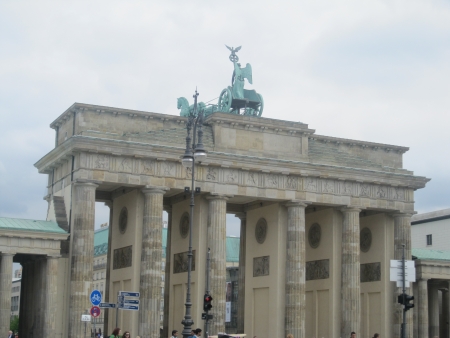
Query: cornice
{"type": "Point", "coordinates": [362, 144]}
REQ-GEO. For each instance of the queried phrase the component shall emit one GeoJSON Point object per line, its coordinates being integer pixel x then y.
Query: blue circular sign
{"type": "Point", "coordinates": [96, 297]}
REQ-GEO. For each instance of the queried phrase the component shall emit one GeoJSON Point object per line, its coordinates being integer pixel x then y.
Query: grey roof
{"type": "Point", "coordinates": [430, 216]}
{"type": "Point", "coordinates": [30, 225]}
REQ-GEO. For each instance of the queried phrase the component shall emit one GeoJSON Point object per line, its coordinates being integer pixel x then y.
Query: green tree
{"type": "Point", "coordinates": [14, 325]}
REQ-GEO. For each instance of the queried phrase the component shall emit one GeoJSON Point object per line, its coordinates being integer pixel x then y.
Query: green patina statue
{"type": "Point", "coordinates": [234, 99]}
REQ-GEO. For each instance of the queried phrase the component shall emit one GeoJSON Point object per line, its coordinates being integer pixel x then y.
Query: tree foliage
{"type": "Point", "coordinates": [14, 325]}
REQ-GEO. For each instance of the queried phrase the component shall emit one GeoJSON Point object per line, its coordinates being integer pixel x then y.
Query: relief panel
{"type": "Point", "coordinates": [370, 272]}
{"type": "Point", "coordinates": [181, 262]}
{"type": "Point", "coordinates": [317, 269]}
{"type": "Point", "coordinates": [122, 257]}
{"type": "Point", "coordinates": [261, 266]}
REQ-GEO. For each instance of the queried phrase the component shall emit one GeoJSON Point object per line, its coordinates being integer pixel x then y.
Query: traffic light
{"type": "Point", "coordinates": [408, 299]}
{"type": "Point", "coordinates": [207, 299]}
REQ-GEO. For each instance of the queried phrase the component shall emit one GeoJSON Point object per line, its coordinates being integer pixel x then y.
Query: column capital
{"type": "Point", "coordinates": [297, 203]}
{"type": "Point", "coordinates": [154, 190]}
{"type": "Point", "coordinates": [7, 254]}
{"type": "Point", "coordinates": [399, 214]}
{"type": "Point", "coordinates": [216, 196]}
{"type": "Point", "coordinates": [241, 215]}
{"type": "Point", "coordinates": [349, 209]}
{"type": "Point", "coordinates": [90, 183]}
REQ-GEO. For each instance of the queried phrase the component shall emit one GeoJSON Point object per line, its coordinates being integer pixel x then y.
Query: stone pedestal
{"type": "Point", "coordinates": [241, 279]}
{"type": "Point", "coordinates": [433, 310]}
{"type": "Point", "coordinates": [217, 231]}
{"type": "Point", "coordinates": [350, 273]}
{"type": "Point", "coordinates": [422, 308]}
{"type": "Point", "coordinates": [295, 270]}
{"type": "Point", "coordinates": [151, 257]}
{"type": "Point", "coordinates": [5, 291]}
{"type": "Point", "coordinates": [82, 233]}
{"type": "Point", "coordinates": [402, 235]}
{"type": "Point", "coordinates": [50, 303]}
{"type": "Point", "coordinates": [167, 268]}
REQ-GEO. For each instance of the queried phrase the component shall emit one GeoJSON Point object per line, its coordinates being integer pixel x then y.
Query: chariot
{"type": "Point", "coordinates": [251, 104]}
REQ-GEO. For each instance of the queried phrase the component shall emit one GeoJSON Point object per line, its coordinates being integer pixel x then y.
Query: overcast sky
{"type": "Point", "coordinates": [367, 70]}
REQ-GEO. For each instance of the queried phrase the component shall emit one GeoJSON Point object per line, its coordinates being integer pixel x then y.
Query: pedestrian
{"type": "Point", "coordinates": [353, 335]}
{"type": "Point", "coordinates": [126, 334]}
{"type": "Point", "coordinates": [174, 333]}
{"type": "Point", "coordinates": [290, 335]}
{"type": "Point", "coordinates": [376, 335]}
{"type": "Point", "coordinates": [10, 334]}
{"type": "Point", "coordinates": [198, 332]}
{"type": "Point", "coordinates": [116, 333]}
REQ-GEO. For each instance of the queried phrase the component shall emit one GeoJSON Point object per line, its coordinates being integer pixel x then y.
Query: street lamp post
{"type": "Point", "coordinates": [194, 152]}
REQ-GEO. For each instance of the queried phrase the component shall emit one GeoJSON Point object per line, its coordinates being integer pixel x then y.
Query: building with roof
{"type": "Point", "coordinates": [39, 246]}
{"type": "Point", "coordinates": [430, 238]}
{"type": "Point", "coordinates": [100, 262]}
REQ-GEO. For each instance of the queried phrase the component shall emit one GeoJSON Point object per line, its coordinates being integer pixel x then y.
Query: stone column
{"type": "Point", "coordinates": [50, 304]}
{"type": "Point", "coordinates": [23, 297]}
{"type": "Point", "coordinates": [106, 295]}
{"type": "Point", "coordinates": [350, 273]}
{"type": "Point", "coordinates": [241, 279]}
{"type": "Point", "coordinates": [295, 270]}
{"type": "Point", "coordinates": [5, 291]}
{"type": "Point", "coordinates": [402, 235]}
{"type": "Point", "coordinates": [82, 254]}
{"type": "Point", "coordinates": [445, 313]}
{"type": "Point", "coordinates": [166, 329]}
{"type": "Point", "coordinates": [151, 257]}
{"type": "Point", "coordinates": [422, 310]}
{"type": "Point", "coordinates": [433, 309]}
{"type": "Point", "coordinates": [217, 236]}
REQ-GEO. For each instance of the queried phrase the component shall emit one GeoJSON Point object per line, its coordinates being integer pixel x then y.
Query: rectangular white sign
{"type": "Point", "coordinates": [85, 318]}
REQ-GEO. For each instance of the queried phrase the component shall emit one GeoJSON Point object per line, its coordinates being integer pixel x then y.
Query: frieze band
{"type": "Point", "coordinates": [154, 167]}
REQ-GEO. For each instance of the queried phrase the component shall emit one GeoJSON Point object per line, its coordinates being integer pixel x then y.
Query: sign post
{"type": "Point", "coordinates": [96, 299]}
{"type": "Point", "coordinates": [124, 303]}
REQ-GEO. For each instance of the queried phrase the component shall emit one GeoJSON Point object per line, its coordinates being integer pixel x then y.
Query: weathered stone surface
{"type": "Point", "coordinates": [151, 257]}
{"type": "Point", "coordinates": [216, 242]}
{"type": "Point", "coordinates": [83, 217]}
{"type": "Point", "coordinates": [350, 273]}
{"type": "Point", "coordinates": [295, 270]}
{"type": "Point", "coordinates": [50, 294]}
{"type": "Point", "coordinates": [5, 290]}
{"type": "Point", "coordinates": [241, 280]}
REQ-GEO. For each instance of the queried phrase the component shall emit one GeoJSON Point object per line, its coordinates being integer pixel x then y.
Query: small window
{"type": "Point", "coordinates": [429, 240]}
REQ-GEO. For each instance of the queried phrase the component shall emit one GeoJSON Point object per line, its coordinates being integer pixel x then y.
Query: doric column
{"type": "Point", "coordinates": [241, 279]}
{"type": "Point", "coordinates": [445, 312]}
{"type": "Point", "coordinates": [217, 235]}
{"type": "Point", "coordinates": [295, 270]}
{"type": "Point", "coordinates": [422, 310]}
{"type": "Point", "coordinates": [23, 297]}
{"type": "Point", "coordinates": [82, 264]}
{"type": "Point", "coordinates": [350, 273]}
{"type": "Point", "coordinates": [151, 257]}
{"type": "Point", "coordinates": [166, 332]}
{"type": "Point", "coordinates": [433, 309]}
{"type": "Point", "coordinates": [50, 304]}
{"type": "Point", "coordinates": [5, 290]}
{"type": "Point", "coordinates": [402, 235]}
{"type": "Point", "coordinates": [106, 297]}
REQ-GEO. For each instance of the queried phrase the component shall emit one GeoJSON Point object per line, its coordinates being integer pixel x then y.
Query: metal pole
{"type": "Point", "coordinates": [117, 310]}
{"type": "Point", "coordinates": [208, 262]}
{"type": "Point", "coordinates": [404, 292]}
{"type": "Point", "coordinates": [85, 324]}
{"type": "Point", "coordinates": [187, 321]}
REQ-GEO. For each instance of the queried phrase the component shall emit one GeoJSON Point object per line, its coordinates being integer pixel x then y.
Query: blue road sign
{"type": "Point", "coordinates": [131, 301]}
{"type": "Point", "coordinates": [107, 305]}
{"type": "Point", "coordinates": [129, 294]}
{"type": "Point", "coordinates": [96, 297]}
{"type": "Point", "coordinates": [129, 307]}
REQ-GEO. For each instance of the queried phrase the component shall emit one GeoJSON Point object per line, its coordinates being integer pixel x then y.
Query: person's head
{"type": "Point", "coordinates": [198, 332]}
{"type": "Point", "coordinates": [353, 335]}
{"type": "Point", "coordinates": [9, 332]}
{"type": "Point", "coordinates": [126, 334]}
{"type": "Point", "coordinates": [290, 335]}
{"type": "Point", "coordinates": [376, 335]}
{"type": "Point", "coordinates": [175, 333]}
{"type": "Point", "coordinates": [116, 331]}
